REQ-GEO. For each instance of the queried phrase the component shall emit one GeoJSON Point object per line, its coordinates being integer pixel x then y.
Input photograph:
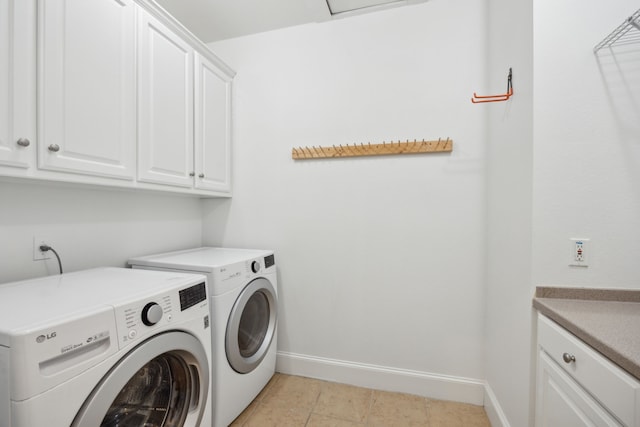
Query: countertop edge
{"type": "Point", "coordinates": [610, 353]}
{"type": "Point", "coordinates": [592, 294]}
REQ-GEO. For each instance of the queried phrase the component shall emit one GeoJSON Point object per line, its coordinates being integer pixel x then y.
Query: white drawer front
{"type": "Point", "coordinates": [562, 402]}
{"type": "Point", "coordinates": [610, 385]}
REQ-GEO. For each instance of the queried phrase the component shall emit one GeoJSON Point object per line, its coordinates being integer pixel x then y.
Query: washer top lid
{"type": "Point", "coordinates": [205, 259]}
{"type": "Point", "coordinates": [35, 303]}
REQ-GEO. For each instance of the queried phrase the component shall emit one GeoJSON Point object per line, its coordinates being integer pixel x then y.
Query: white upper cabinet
{"type": "Point", "coordinates": [86, 87]}
{"type": "Point", "coordinates": [165, 128]}
{"type": "Point", "coordinates": [212, 126]}
{"type": "Point", "coordinates": [114, 93]}
{"type": "Point", "coordinates": [17, 86]}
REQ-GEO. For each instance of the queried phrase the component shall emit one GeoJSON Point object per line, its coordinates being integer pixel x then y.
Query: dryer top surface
{"type": "Point", "coordinates": [205, 259]}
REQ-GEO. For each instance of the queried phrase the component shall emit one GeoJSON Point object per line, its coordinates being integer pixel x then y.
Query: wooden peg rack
{"type": "Point", "coordinates": [386, 148]}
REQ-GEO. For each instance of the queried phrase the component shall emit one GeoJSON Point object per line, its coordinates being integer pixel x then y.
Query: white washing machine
{"type": "Point", "coordinates": [105, 347]}
{"type": "Point", "coordinates": [243, 302]}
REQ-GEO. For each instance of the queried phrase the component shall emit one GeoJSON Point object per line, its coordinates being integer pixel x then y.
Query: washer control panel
{"type": "Point", "coordinates": [151, 314]}
{"type": "Point", "coordinates": [137, 318]}
{"type": "Point", "coordinates": [141, 318]}
{"type": "Point", "coordinates": [192, 295]}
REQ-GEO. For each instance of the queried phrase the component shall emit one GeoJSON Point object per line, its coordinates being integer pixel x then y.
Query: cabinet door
{"type": "Point", "coordinates": [86, 96]}
{"type": "Point", "coordinates": [562, 402]}
{"type": "Point", "coordinates": [17, 85]}
{"type": "Point", "coordinates": [212, 127]}
{"type": "Point", "coordinates": [165, 151]}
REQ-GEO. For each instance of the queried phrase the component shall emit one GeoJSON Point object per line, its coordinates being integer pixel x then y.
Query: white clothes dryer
{"type": "Point", "coordinates": [243, 302]}
{"type": "Point", "coordinates": [105, 347]}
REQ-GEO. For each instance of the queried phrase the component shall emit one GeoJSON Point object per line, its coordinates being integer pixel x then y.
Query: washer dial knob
{"type": "Point", "coordinates": [151, 314]}
{"type": "Point", "coordinates": [255, 266]}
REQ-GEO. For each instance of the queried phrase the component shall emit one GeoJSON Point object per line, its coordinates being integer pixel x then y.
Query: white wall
{"type": "Point", "coordinates": [420, 263]}
{"type": "Point", "coordinates": [583, 181]}
{"type": "Point", "coordinates": [89, 227]}
{"type": "Point", "coordinates": [509, 184]}
{"type": "Point", "coordinates": [587, 144]}
{"type": "Point", "coordinates": [381, 259]}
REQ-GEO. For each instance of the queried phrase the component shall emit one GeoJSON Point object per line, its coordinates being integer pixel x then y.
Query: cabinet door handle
{"type": "Point", "coordinates": [201, 175]}
{"type": "Point", "coordinates": [192, 174]}
{"type": "Point", "coordinates": [23, 142]}
{"type": "Point", "coordinates": [54, 147]}
{"type": "Point", "coordinates": [568, 358]}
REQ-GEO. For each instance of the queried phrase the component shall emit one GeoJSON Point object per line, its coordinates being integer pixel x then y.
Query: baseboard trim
{"type": "Point", "coordinates": [493, 409]}
{"type": "Point", "coordinates": [425, 384]}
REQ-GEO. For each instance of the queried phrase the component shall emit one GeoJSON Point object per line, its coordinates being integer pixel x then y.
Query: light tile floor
{"type": "Point", "coordinates": [291, 401]}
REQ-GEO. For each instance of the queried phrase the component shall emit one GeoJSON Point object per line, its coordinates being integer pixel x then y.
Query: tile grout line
{"type": "Point", "coordinates": [427, 407]}
{"type": "Point", "coordinates": [368, 415]}
{"type": "Point", "coordinates": [315, 403]}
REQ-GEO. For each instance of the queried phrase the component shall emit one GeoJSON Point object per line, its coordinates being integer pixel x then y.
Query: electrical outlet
{"type": "Point", "coordinates": [37, 253]}
{"type": "Point", "coordinates": [579, 252]}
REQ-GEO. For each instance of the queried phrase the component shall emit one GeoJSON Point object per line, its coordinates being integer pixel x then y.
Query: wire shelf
{"type": "Point", "coordinates": [628, 32]}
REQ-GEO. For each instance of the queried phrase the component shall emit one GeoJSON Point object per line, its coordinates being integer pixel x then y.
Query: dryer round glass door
{"type": "Point", "coordinates": [162, 382]}
{"type": "Point", "coordinates": [251, 325]}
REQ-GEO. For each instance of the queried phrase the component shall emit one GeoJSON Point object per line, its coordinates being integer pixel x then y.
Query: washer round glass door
{"type": "Point", "coordinates": [163, 382]}
{"type": "Point", "coordinates": [251, 325]}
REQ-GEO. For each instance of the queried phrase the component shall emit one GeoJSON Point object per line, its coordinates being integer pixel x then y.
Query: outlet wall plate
{"type": "Point", "coordinates": [579, 252]}
{"type": "Point", "coordinates": [37, 253]}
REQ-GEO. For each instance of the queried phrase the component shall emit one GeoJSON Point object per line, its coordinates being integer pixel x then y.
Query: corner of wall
{"type": "Point", "coordinates": [493, 409]}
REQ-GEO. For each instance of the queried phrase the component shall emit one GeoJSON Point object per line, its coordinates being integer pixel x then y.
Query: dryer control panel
{"type": "Point", "coordinates": [269, 261]}
{"type": "Point", "coordinates": [261, 264]}
{"type": "Point", "coordinates": [231, 276]}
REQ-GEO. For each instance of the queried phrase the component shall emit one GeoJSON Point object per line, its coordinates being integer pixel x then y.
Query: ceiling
{"type": "Point", "coordinates": [213, 20]}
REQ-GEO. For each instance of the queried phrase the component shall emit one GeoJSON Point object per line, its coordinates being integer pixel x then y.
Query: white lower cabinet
{"type": "Point", "coordinates": [577, 387]}
{"type": "Point", "coordinates": [563, 402]}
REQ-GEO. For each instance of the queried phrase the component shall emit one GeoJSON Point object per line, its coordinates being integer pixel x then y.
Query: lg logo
{"type": "Point", "coordinates": [43, 338]}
